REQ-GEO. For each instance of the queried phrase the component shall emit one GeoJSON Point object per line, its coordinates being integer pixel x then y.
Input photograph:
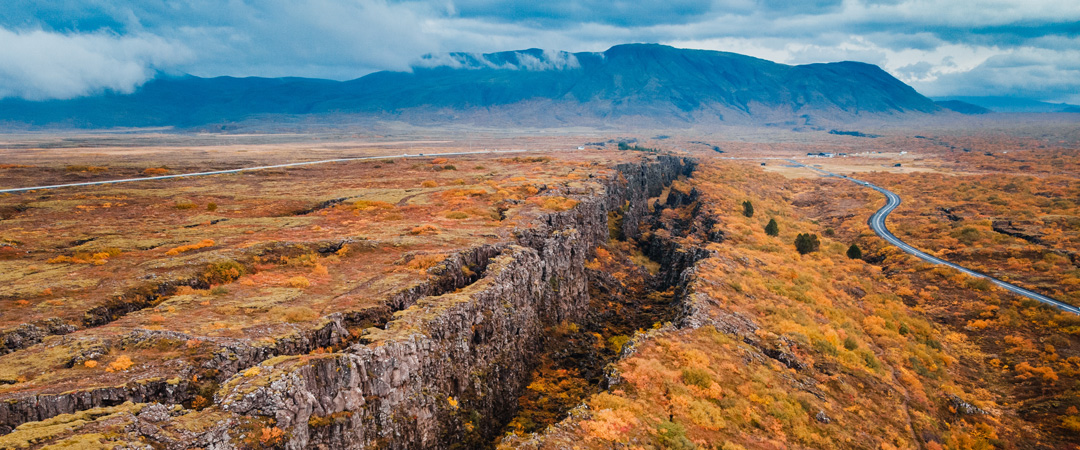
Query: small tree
{"type": "Point", "coordinates": [854, 252]}
{"type": "Point", "coordinates": [772, 229]}
{"type": "Point", "coordinates": [747, 208]}
{"type": "Point", "coordinates": [806, 243]}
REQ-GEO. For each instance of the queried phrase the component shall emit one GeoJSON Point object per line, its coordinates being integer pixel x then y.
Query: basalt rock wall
{"type": "Point", "coordinates": [447, 371]}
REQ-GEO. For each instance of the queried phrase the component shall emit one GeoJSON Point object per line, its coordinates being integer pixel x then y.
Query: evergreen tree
{"type": "Point", "coordinates": [854, 252]}
{"type": "Point", "coordinates": [747, 209]}
{"type": "Point", "coordinates": [806, 243]}
{"type": "Point", "coordinates": [772, 229]}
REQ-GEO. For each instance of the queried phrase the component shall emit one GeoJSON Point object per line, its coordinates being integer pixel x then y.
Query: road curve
{"type": "Point", "coordinates": [877, 223]}
{"type": "Point", "coordinates": [248, 169]}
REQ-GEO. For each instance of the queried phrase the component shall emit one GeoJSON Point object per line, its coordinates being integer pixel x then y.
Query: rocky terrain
{"type": "Point", "coordinates": [439, 370]}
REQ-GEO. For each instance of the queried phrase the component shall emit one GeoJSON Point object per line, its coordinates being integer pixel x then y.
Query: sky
{"type": "Point", "coordinates": [61, 49]}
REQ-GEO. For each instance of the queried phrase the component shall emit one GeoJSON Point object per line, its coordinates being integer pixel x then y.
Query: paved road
{"type": "Point", "coordinates": [877, 223]}
{"type": "Point", "coordinates": [248, 169]}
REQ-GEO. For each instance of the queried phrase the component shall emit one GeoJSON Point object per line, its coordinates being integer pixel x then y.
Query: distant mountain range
{"type": "Point", "coordinates": [633, 83]}
{"type": "Point", "coordinates": [1010, 104]}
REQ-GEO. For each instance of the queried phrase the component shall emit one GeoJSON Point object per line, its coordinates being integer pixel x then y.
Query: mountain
{"type": "Point", "coordinates": [962, 107]}
{"type": "Point", "coordinates": [1012, 104]}
{"type": "Point", "coordinates": [627, 83]}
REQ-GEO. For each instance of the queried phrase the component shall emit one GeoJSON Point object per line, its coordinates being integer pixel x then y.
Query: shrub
{"type": "Point", "coordinates": [850, 343]}
{"type": "Point", "coordinates": [97, 258]}
{"type": "Point", "coordinates": [82, 168]}
{"type": "Point", "coordinates": [424, 229]}
{"type": "Point", "coordinates": [671, 435]}
{"type": "Point", "coordinates": [457, 215]}
{"type": "Point", "coordinates": [616, 343]}
{"type": "Point", "coordinates": [271, 436]}
{"type": "Point", "coordinates": [425, 262]}
{"type": "Point", "coordinates": [854, 252]}
{"type": "Point", "coordinates": [772, 229]}
{"type": "Point", "coordinates": [90, 364]}
{"type": "Point", "coordinates": [184, 204]}
{"type": "Point", "coordinates": [429, 184]}
{"type": "Point", "coordinates": [187, 248]}
{"type": "Point", "coordinates": [555, 203]}
{"type": "Point", "coordinates": [120, 364]}
{"type": "Point", "coordinates": [978, 284]}
{"type": "Point", "coordinates": [297, 314]}
{"type": "Point", "coordinates": [368, 205]}
{"type": "Point", "coordinates": [211, 206]}
{"type": "Point", "coordinates": [221, 272]}
{"type": "Point", "coordinates": [298, 282]}
{"type": "Point", "coordinates": [155, 171]}
{"type": "Point", "coordinates": [806, 243]}
{"type": "Point", "coordinates": [747, 208]}
{"type": "Point", "coordinates": [1025, 371]}
{"type": "Point", "coordinates": [1071, 423]}
{"type": "Point", "coordinates": [693, 376]}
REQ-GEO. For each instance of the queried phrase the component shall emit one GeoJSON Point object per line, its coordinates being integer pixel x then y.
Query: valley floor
{"type": "Point", "coordinates": [554, 299]}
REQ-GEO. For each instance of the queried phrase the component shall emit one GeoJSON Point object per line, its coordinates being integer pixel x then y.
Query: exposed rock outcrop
{"type": "Point", "coordinates": [446, 368]}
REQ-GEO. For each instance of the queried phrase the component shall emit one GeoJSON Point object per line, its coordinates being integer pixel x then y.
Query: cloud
{"type": "Point", "coordinates": [532, 60]}
{"type": "Point", "coordinates": [563, 13]}
{"type": "Point", "coordinates": [1039, 74]}
{"type": "Point", "coordinates": [41, 65]}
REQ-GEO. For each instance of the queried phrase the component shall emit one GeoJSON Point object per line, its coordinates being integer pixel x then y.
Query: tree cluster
{"type": "Point", "coordinates": [806, 243]}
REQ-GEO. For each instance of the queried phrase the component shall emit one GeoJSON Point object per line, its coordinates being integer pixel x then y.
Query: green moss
{"type": "Point", "coordinates": [36, 433]}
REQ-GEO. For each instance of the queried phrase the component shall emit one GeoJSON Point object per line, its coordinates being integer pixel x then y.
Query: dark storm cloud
{"type": "Point", "coordinates": [562, 13]}
{"type": "Point", "coordinates": [65, 48]}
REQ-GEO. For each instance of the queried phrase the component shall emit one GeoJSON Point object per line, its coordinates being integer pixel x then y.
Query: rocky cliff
{"type": "Point", "coordinates": [443, 371]}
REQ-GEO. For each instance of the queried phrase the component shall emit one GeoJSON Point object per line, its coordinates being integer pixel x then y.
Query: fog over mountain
{"type": "Point", "coordinates": [633, 83]}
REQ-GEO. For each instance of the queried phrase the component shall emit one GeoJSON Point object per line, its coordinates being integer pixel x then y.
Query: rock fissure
{"type": "Point", "coordinates": [440, 367]}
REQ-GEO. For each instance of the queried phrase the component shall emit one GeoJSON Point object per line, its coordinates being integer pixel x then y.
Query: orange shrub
{"type": "Point", "coordinates": [120, 364]}
{"type": "Point", "coordinates": [425, 262]}
{"type": "Point", "coordinates": [424, 229]}
{"type": "Point", "coordinates": [429, 184]}
{"type": "Point", "coordinates": [369, 205]}
{"type": "Point", "coordinates": [271, 436]}
{"type": "Point", "coordinates": [155, 171]}
{"type": "Point", "coordinates": [1025, 371]}
{"type": "Point", "coordinates": [187, 248]}
{"type": "Point", "coordinates": [97, 259]}
{"type": "Point", "coordinates": [555, 203]}
{"type": "Point", "coordinates": [298, 282]}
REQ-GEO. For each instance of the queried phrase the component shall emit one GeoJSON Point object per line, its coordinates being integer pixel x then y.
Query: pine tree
{"type": "Point", "coordinates": [747, 208]}
{"type": "Point", "coordinates": [772, 229]}
{"type": "Point", "coordinates": [854, 252]}
{"type": "Point", "coordinates": [806, 243]}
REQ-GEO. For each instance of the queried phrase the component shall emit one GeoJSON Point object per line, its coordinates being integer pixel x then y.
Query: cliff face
{"type": "Point", "coordinates": [443, 365]}
{"type": "Point", "coordinates": [449, 368]}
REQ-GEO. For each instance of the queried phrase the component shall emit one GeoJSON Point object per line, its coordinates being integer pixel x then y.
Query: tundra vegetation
{"type": "Point", "coordinates": [851, 345]}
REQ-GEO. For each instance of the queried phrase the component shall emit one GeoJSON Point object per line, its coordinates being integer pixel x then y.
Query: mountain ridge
{"type": "Point", "coordinates": [647, 82]}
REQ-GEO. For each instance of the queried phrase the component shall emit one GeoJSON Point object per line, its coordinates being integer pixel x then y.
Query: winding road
{"type": "Point", "coordinates": [877, 223]}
